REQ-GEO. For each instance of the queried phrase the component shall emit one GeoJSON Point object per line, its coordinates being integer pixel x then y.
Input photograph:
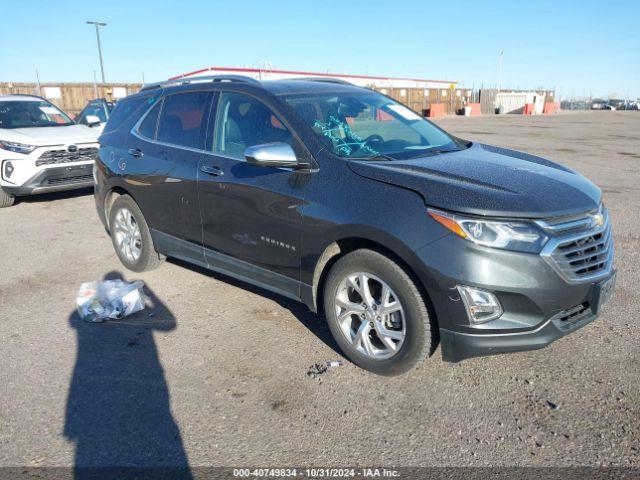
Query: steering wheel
{"type": "Point", "coordinates": [375, 138]}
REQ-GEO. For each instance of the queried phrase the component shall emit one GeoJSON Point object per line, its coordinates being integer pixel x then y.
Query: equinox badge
{"type": "Point", "coordinates": [277, 243]}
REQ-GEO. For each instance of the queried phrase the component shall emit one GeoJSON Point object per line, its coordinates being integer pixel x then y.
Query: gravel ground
{"type": "Point", "coordinates": [215, 373]}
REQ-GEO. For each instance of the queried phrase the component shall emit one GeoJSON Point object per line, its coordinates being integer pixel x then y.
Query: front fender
{"type": "Point", "coordinates": [347, 238]}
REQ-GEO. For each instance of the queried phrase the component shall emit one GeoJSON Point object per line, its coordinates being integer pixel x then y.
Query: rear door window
{"type": "Point", "coordinates": [183, 120]}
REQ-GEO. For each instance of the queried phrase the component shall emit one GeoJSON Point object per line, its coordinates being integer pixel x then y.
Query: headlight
{"type": "Point", "coordinates": [508, 235]}
{"type": "Point", "coordinates": [17, 147]}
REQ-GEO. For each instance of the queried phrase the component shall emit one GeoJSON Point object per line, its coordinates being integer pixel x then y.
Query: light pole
{"type": "Point", "coordinates": [500, 71]}
{"type": "Point", "coordinates": [98, 25]}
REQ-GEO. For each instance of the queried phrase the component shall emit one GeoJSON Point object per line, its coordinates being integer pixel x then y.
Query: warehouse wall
{"type": "Point", "coordinates": [74, 96]}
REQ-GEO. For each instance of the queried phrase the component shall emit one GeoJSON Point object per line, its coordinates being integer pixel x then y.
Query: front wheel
{"type": "Point", "coordinates": [376, 313]}
{"type": "Point", "coordinates": [6, 200]}
{"type": "Point", "coordinates": [131, 236]}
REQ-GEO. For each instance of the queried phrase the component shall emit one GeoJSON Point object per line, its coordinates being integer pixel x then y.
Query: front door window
{"type": "Point", "coordinates": [241, 122]}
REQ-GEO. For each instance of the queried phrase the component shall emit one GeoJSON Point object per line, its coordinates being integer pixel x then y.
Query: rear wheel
{"type": "Point", "coordinates": [131, 236]}
{"type": "Point", "coordinates": [6, 200]}
{"type": "Point", "coordinates": [376, 313]}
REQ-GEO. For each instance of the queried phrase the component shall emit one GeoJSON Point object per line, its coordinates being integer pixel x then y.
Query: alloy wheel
{"type": "Point", "coordinates": [127, 235]}
{"type": "Point", "coordinates": [370, 315]}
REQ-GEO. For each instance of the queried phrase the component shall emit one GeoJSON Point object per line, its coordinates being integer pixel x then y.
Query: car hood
{"type": "Point", "coordinates": [41, 136]}
{"type": "Point", "coordinates": [487, 180]}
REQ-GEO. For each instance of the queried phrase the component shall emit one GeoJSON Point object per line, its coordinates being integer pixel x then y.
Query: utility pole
{"type": "Point", "coordinates": [500, 70]}
{"type": "Point", "coordinates": [39, 89]}
{"type": "Point", "coordinates": [98, 25]}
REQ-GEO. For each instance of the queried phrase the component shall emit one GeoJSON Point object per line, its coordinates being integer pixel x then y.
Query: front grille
{"type": "Point", "coordinates": [54, 157]}
{"type": "Point", "coordinates": [70, 180]}
{"type": "Point", "coordinates": [587, 254]}
{"type": "Point", "coordinates": [583, 254]}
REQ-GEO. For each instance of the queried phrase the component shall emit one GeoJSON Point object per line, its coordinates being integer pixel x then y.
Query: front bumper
{"type": "Point", "coordinates": [48, 169]}
{"type": "Point", "coordinates": [55, 179]}
{"type": "Point", "coordinates": [457, 346]}
{"type": "Point", "coordinates": [539, 306]}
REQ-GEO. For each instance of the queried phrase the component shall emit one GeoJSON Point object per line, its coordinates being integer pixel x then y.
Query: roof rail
{"type": "Point", "coordinates": [203, 79]}
{"type": "Point", "coordinates": [325, 80]}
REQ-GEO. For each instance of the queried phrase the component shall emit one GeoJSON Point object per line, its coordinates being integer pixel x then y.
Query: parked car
{"type": "Point", "coordinates": [341, 198]}
{"type": "Point", "coordinates": [42, 149]}
{"type": "Point", "coordinates": [625, 105]}
{"type": "Point", "coordinates": [95, 114]}
{"type": "Point", "coordinates": [617, 104]}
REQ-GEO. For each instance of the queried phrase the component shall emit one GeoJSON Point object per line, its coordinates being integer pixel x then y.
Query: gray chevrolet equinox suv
{"type": "Point", "coordinates": [342, 198]}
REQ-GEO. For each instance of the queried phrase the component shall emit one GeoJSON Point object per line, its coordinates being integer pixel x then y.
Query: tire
{"type": "Point", "coordinates": [6, 200]}
{"type": "Point", "coordinates": [409, 328]}
{"type": "Point", "coordinates": [136, 251]}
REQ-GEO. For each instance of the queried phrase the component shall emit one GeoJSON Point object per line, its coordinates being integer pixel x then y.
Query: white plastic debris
{"type": "Point", "coordinates": [115, 299]}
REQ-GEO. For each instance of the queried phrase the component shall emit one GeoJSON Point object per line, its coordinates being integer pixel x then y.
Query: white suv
{"type": "Point", "coordinates": [42, 149]}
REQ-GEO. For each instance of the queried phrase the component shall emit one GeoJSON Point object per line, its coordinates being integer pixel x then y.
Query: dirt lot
{"type": "Point", "coordinates": [217, 374]}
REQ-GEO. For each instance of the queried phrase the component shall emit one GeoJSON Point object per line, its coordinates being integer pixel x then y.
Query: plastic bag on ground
{"type": "Point", "coordinates": [109, 299]}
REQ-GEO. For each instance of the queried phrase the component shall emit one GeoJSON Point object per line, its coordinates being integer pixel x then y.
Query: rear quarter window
{"type": "Point", "coordinates": [148, 126]}
{"type": "Point", "coordinates": [124, 110]}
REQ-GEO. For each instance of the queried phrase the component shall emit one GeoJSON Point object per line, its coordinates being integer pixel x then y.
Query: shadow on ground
{"type": "Point", "coordinates": [53, 196]}
{"type": "Point", "coordinates": [314, 322]}
{"type": "Point", "coordinates": [118, 409]}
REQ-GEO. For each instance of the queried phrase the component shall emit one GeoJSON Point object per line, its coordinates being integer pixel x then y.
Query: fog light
{"type": "Point", "coordinates": [482, 306]}
{"type": "Point", "coordinates": [8, 169]}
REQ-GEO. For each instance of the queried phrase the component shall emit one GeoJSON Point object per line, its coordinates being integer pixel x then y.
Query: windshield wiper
{"type": "Point", "coordinates": [434, 151]}
{"type": "Point", "coordinates": [375, 158]}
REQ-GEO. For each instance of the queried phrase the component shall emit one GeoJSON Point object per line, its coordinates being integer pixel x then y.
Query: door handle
{"type": "Point", "coordinates": [135, 152]}
{"type": "Point", "coordinates": [210, 170]}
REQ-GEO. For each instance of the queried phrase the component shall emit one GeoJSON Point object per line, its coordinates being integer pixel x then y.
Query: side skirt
{"type": "Point", "coordinates": [240, 270]}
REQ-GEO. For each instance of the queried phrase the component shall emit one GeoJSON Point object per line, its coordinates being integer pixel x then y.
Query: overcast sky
{"type": "Point", "coordinates": [579, 47]}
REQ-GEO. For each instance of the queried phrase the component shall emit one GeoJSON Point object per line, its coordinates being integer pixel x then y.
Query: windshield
{"type": "Point", "coordinates": [31, 113]}
{"type": "Point", "coordinates": [367, 125]}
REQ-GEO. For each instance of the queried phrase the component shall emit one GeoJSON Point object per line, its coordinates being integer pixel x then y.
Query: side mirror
{"type": "Point", "coordinates": [92, 120]}
{"type": "Point", "coordinates": [275, 154]}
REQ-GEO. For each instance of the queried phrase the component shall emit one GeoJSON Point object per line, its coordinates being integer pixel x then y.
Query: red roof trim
{"type": "Point", "coordinates": [311, 74]}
